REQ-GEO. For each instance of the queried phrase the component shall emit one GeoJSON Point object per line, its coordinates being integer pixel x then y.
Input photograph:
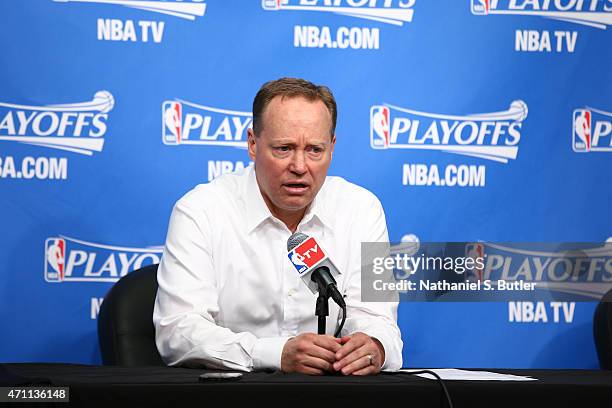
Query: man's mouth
{"type": "Point", "coordinates": [296, 188]}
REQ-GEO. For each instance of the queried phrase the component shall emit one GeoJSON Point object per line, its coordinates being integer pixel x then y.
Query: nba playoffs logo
{"type": "Point", "coordinates": [76, 127]}
{"type": "Point", "coordinates": [306, 255]}
{"type": "Point", "coordinates": [188, 10]}
{"type": "Point", "coordinates": [396, 12]}
{"type": "Point", "coordinates": [593, 13]}
{"type": "Point", "coordinates": [73, 260]}
{"type": "Point", "coordinates": [592, 130]}
{"type": "Point", "coordinates": [581, 269]}
{"type": "Point", "coordinates": [186, 123]}
{"type": "Point", "coordinates": [492, 136]}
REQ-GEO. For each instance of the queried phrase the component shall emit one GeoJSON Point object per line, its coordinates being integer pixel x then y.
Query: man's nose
{"type": "Point", "coordinates": [298, 162]}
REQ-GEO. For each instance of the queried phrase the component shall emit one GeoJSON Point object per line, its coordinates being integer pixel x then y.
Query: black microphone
{"type": "Point", "coordinates": [325, 281]}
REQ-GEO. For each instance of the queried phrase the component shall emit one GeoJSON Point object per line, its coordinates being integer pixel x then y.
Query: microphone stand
{"type": "Point", "coordinates": [322, 307]}
{"type": "Point", "coordinates": [327, 289]}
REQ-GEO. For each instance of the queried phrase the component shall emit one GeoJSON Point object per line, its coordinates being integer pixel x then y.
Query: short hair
{"type": "Point", "coordinates": [291, 88]}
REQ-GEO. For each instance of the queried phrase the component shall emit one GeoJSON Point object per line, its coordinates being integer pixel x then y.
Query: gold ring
{"type": "Point", "coordinates": [370, 359]}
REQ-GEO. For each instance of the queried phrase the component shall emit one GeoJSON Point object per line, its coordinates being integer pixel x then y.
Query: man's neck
{"type": "Point", "coordinates": [290, 219]}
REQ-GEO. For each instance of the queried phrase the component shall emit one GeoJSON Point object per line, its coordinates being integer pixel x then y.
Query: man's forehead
{"type": "Point", "coordinates": [285, 102]}
{"type": "Point", "coordinates": [283, 110]}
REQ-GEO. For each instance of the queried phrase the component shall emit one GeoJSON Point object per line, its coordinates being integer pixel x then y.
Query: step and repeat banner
{"type": "Point", "coordinates": [471, 120]}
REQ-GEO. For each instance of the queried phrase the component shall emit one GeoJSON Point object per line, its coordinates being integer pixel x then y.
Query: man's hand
{"type": "Point", "coordinates": [309, 353]}
{"type": "Point", "coordinates": [360, 354]}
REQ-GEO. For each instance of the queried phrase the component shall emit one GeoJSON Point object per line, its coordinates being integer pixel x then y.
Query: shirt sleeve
{"type": "Point", "coordinates": [187, 302]}
{"type": "Point", "coordinates": [376, 319]}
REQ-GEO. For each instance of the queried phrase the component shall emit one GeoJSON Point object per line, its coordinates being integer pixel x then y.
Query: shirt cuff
{"type": "Point", "coordinates": [267, 353]}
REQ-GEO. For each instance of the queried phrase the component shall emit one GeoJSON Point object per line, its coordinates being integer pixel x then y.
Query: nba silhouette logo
{"type": "Point", "coordinates": [474, 251]}
{"type": "Point", "coordinates": [481, 6]}
{"type": "Point", "coordinates": [298, 262]}
{"type": "Point", "coordinates": [582, 130]}
{"type": "Point", "coordinates": [172, 118]}
{"type": "Point", "coordinates": [379, 127]}
{"type": "Point", "coordinates": [55, 256]}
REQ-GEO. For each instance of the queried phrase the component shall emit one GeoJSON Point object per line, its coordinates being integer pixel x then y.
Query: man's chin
{"type": "Point", "coordinates": [295, 204]}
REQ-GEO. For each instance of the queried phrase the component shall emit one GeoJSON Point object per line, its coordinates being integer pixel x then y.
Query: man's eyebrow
{"type": "Point", "coordinates": [283, 142]}
{"type": "Point", "coordinates": [293, 143]}
{"type": "Point", "coordinates": [320, 143]}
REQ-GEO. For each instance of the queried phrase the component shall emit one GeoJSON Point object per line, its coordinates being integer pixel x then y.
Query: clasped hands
{"type": "Point", "coordinates": [309, 353]}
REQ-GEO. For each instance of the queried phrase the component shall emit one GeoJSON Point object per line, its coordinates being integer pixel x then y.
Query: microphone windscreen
{"type": "Point", "coordinates": [295, 240]}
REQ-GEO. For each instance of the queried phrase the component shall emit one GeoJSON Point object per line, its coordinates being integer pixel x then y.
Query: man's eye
{"type": "Point", "coordinates": [282, 148]}
{"type": "Point", "coordinates": [315, 149]}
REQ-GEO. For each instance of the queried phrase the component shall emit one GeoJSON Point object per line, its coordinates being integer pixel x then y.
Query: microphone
{"type": "Point", "coordinates": [313, 266]}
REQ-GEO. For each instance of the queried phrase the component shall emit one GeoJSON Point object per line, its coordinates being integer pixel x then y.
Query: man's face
{"type": "Point", "coordinates": [292, 153]}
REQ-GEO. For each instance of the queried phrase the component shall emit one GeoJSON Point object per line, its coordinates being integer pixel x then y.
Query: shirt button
{"type": "Point", "coordinates": [291, 292]}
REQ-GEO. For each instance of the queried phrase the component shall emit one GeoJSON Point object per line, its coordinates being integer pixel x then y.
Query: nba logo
{"type": "Point", "coordinates": [298, 262]}
{"type": "Point", "coordinates": [172, 119]}
{"type": "Point", "coordinates": [55, 255]}
{"type": "Point", "coordinates": [481, 7]}
{"type": "Point", "coordinates": [379, 127]}
{"type": "Point", "coordinates": [306, 255]}
{"type": "Point", "coordinates": [474, 251]}
{"type": "Point", "coordinates": [582, 130]}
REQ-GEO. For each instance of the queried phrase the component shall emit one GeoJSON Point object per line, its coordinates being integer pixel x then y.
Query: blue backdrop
{"type": "Point", "coordinates": [470, 120]}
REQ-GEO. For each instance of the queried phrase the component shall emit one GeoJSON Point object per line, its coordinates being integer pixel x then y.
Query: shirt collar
{"type": "Point", "coordinates": [257, 210]}
{"type": "Point", "coordinates": [316, 210]}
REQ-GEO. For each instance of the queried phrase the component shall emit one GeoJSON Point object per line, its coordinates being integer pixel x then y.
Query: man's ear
{"type": "Point", "coordinates": [251, 143]}
{"type": "Point", "coordinates": [333, 143]}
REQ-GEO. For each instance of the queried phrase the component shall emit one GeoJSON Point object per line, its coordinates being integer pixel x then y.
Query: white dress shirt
{"type": "Point", "coordinates": [228, 295]}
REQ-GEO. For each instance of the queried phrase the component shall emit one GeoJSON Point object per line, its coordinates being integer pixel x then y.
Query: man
{"type": "Point", "coordinates": [228, 296]}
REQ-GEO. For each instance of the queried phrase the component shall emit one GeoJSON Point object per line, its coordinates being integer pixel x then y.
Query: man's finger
{"type": "Point", "coordinates": [352, 357]}
{"type": "Point", "coordinates": [310, 370]}
{"type": "Point", "coordinates": [322, 353]}
{"type": "Point", "coordinates": [366, 371]}
{"type": "Point", "coordinates": [358, 364]}
{"type": "Point", "coordinates": [327, 342]}
{"type": "Point", "coordinates": [344, 339]}
{"type": "Point", "coordinates": [354, 343]}
{"type": "Point", "coordinates": [315, 362]}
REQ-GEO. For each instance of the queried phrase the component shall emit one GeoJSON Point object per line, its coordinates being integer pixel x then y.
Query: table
{"type": "Point", "coordinates": [169, 386]}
